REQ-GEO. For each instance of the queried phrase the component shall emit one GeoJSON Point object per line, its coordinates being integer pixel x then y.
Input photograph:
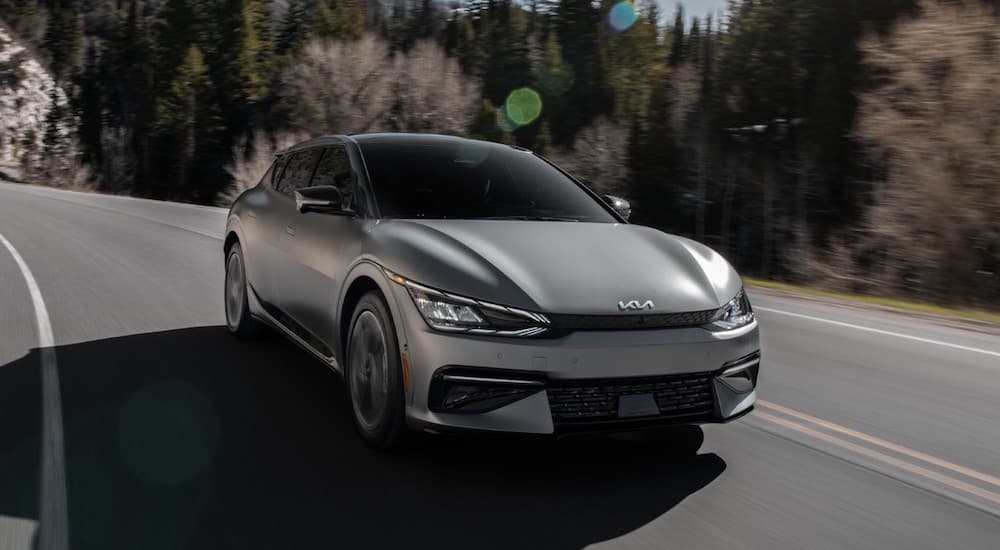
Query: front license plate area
{"type": "Point", "coordinates": [631, 406]}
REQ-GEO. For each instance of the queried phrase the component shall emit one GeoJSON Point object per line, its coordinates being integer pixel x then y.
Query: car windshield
{"type": "Point", "coordinates": [466, 179]}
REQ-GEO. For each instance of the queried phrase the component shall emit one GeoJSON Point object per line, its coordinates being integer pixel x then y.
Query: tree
{"type": "Point", "coordinates": [932, 121]}
{"type": "Point", "coordinates": [63, 38]}
{"type": "Point", "coordinates": [339, 87]}
{"type": "Point", "coordinates": [24, 18]}
{"type": "Point", "coordinates": [188, 129]}
{"type": "Point", "coordinates": [293, 29]}
{"type": "Point", "coordinates": [344, 20]}
{"type": "Point", "coordinates": [425, 21]}
{"type": "Point", "coordinates": [343, 87]}
{"type": "Point", "coordinates": [677, 48]}
{"type": "Point", "coordinates": [252, 157]}
{"type": "Point", "coordinates": [431, 94]}
{"type": "Point", "coordinates": [552, 77]}
{"type": "Point", "coordinates": [578, 25]}
{"type": "Point", "coordinates": [598, 157]}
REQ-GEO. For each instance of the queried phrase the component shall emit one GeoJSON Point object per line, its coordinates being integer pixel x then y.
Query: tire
{"type": "Point", "coordinates": [238, 319]}
{"type": "Point", "coordinates": [374, 376]}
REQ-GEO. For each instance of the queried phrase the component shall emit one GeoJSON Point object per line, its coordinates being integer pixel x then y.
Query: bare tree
{"type": "Point", "coordinates": [340, 87]}
{"type": "Point", "coordinates": [251, 159]}
{"type": "Point", "coordinates": [347, 87]}
{"type": "Point", "coordinates": [933, 123]}
{"type": "Point", "coordinates": [599, 156]}
{"type": "Point", "coordinates": [431, 93]}
{"type": "Point", "coordinates": [685, 91]}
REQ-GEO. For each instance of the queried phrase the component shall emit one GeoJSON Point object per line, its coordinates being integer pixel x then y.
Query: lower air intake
{"type": "Point", "coordinates": [676, 395]}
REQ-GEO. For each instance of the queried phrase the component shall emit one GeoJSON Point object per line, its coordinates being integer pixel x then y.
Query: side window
{"type": "Point", "coordinates": [277, 168]}
{"type": "Point", "coordinates": [297, 173]}
{"type": "Point", "coordinates": [335, 169]}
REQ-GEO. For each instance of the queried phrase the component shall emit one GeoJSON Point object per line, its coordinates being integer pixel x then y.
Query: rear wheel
{"type": "Point", "coordinates": [374, 375]}
{"type": "Point", "coordinates": [238, 319]}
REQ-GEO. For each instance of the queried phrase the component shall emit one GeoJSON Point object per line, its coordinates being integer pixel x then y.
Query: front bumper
{"type": "Point", "coordinates": [580, 373]}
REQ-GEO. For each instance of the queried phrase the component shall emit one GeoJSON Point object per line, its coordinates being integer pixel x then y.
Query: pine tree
{"type": "Point", "coordinates": [553, 79]}
{"type": "Point", "coordinates": [91, 106]}
{"type": "Point", "coordinates": [243, 53]}
{"type": "Point", "coordinates": [578, 25]}
{"type": "Point", "coordinates": [53, 140]}
{"type": "Point", "coordinates": [63, 38]}
{"type": "Point", "coordinates": [467, 47]}
{"type": "Point", "coordinates": [188, 127]}
{"type": "Point", "coordinates": [677, 37]}
{"type": "Point", "coordinates": [344, 20]}
{"type": "Point", "coordinates": [425, 20]}
{"type": "Point", "coordinates": [132, 67]}
{"type": "Point", "coordinates": [506, 68]}
{"type": "Point", "coordinates": [292, 29]}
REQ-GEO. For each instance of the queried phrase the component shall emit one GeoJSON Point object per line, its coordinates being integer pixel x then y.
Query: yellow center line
{"type": "Point", "coordinates": [883, 443]}
{"type": "Point", "coordinates": [881, 457]}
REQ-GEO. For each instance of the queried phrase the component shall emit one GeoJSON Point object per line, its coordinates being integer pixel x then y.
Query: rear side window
{"type": "Point", "coordinates": [277, 169]}
{"type": "Point", "coordinates": [298, 172]}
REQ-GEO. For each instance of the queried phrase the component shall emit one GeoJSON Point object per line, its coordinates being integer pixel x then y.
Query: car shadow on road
{"type": "Point", "coordinates": [191, 439]}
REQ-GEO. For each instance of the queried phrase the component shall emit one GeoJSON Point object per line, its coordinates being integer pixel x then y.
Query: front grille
{"type": "Point", "coordinates": [677, 395]}
{"type": "Point", "coordinates": [634, 321]}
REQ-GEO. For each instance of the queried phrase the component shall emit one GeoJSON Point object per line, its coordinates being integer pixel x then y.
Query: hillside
{"type": "Point", "coordinates": [27, 92]}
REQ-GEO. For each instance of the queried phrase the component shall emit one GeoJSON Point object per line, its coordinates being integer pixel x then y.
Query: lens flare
{"type": "Point", "coordinates": [523, 106]}
{"type": "Point", "coordinates": [168, 432]}
{"type": "Point", "coordinates": [622, 16]}
{"type": "Point", "coordinates": [504, 122]}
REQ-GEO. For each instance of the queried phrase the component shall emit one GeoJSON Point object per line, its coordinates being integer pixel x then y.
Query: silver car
{"type": "Point", "coordinates": [465, 285]}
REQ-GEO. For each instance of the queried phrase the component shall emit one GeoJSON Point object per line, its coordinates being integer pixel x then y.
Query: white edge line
{"type": "Point", "coordinates": [53, 514]}
{"type": "Point", "coordinates": [42, 323]}
{"type": "Point", "coordinates": [880, 331]}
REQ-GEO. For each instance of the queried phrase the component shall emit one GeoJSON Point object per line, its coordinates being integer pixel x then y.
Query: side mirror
{"type": "Point", "coordinates": [620, 205]}
{"type": "Point", "coordinates": [322, 198]}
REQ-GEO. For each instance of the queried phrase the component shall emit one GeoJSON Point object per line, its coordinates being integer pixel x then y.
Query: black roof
{"type": "Point", "coordinates": [399, 138]}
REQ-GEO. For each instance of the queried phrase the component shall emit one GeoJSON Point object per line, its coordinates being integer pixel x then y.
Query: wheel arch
{"type": "Point", "coordinates": [231, 239]}
{"type": "Point", "coordinates": [364, 277]}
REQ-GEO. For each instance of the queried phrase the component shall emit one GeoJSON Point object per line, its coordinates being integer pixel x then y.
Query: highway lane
{"type": "Point", "coordinates": [876, 430]}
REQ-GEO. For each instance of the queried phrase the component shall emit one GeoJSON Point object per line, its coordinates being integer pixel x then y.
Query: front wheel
{"type": "Point", "coordinates": [374, 375]}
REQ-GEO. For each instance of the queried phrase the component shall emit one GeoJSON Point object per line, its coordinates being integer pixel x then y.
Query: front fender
{"type": "Point", "coordinates": [367, 267]}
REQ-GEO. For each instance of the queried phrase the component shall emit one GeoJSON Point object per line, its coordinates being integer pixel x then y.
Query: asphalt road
{"type": "Point", "coordinates": [874, 430]}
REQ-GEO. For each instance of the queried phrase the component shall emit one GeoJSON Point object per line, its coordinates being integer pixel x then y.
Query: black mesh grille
{"type": "Point", "coordinates": [596, 400]}
{"type": "Point", "coordinates": [633, 321]}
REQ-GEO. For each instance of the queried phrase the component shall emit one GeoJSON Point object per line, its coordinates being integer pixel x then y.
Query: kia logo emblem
{"type": "Point", "coordinates": [635, 305]}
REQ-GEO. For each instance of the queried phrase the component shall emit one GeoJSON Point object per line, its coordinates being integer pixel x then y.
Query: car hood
{"type": "Point", "coordinates": [558, 267]}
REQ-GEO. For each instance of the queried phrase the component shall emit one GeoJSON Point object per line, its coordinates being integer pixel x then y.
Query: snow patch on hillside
{"type": "Point", "coordinates": [27, 92]}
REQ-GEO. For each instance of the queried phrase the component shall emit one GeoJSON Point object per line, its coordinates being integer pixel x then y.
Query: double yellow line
{"type": "Point", "coordinates": [820, 429]}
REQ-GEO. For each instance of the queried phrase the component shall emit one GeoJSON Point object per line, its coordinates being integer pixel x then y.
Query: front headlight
{"type": "Point", "coordinates": [735, 314]}
{"type": "Point", "coordinates": [452, 313]}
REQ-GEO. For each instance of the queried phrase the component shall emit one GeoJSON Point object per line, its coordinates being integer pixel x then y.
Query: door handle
{"type": "Point", "coordinates": [290, 230]}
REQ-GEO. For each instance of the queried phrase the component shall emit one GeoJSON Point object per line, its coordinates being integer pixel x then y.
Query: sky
{"type": "Point", "coordinates": [692, 8]}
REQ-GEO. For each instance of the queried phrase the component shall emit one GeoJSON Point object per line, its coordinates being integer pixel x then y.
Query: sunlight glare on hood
{"type": "Point", "coordinates": [716, 268]}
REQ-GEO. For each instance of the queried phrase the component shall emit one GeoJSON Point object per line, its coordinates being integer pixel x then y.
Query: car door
{"type": "Point", "coordinates": [256, 246]}
{"type": "Point", "coordinates": [323, 246]}
{"type": "Point", "coordinates": [278, 221]}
